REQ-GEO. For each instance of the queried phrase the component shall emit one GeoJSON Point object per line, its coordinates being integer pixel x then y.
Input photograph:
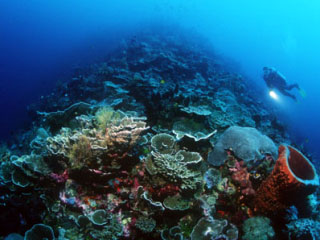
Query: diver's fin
{"type": "Point", "coordinates": [302, 92]}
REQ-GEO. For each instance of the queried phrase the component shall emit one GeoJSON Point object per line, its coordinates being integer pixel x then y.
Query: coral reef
{"type": "Point", "coordinates": [227, 111]}
{"type": "Point", "coordinates": [120, 151]}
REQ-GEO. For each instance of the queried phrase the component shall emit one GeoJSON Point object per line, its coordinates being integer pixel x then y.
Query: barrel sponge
{"type": "Point", "coordinates": [247, 144]}
{"type": "Point", "coordinates": [292, 179]}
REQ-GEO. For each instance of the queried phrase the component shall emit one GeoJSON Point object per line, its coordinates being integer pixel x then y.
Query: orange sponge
{"type": "Point", "coordinates": [293, 177]}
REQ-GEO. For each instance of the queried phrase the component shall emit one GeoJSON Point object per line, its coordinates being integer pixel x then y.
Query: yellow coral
{"type": "Point", "coordinates": [80, 152]}
{"type": "Point", "coordinates": [103, 116]}
{"type": "Point", "coordinates": [106, 116]}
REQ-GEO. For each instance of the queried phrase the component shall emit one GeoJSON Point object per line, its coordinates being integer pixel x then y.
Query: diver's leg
{"type": "Point", "coordinates": [289, 95]}
{"type": "Point", "coordinates": [289, 87]}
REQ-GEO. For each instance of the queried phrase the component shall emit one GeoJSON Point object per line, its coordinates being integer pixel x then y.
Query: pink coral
{"type": "Point", "coordinates": [241, 176]}
{"type": "Point", "coordinates": [60, 178]}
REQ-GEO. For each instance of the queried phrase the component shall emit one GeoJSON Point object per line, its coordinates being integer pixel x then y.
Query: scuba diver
{"type": "Point", "coordinates": [275, 80]}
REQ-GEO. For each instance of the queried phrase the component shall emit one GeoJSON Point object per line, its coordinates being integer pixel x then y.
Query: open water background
{"type": "Point", "coordinates": [44, 41]}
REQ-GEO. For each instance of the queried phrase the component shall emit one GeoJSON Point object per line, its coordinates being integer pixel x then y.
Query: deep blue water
{"type": "Point", "coordinates": [42, 41]}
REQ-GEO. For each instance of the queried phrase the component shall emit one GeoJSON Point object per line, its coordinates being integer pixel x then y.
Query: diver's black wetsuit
{"type": "Point", "coordinates": [274, 79]}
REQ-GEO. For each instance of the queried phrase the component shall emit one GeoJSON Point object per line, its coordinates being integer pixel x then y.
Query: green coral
{"type": "Point", "coordinates": [226, 186]}
{"type": "Point", "coordinates": [14, 236]}
{"type": "Point", "coordinates": [174, 170]}
{"type": "Point", "coordinates": [99, 217]}
{"type": "Point", "coordinates": [84, 146]}
{"type": "Point", "coordinates": [163, 143]}
{"type": "Point", "coordinates": [208, 201]}
{"type": "Point", "coordinates": [145, 224]}
{"type": "Point", "coordinates": [207, 229]}
{"type": "Point", "coordinates": [80, 152]}
{"type": "Point", "coordinates": [39, 232]}
{"type": "Point", "coordinates": [58, 119]}
{"type": "Point", "coordinates": [4, 151]}
{"type": "Point", "coordinates": [232, 233]}
{"type": "Point", "coordinates": [38, 143]}
{"type": "Point", "coordinates": [82, 221]}
{"type": "Point", "coordinates": [31, 164]}
{"type": "Point", "coordinates": [201, 110]}
{"type": "Point", "coordinates": [228, 112]}
{"type": "Point", "coordinates": [176, 203]}
{"type": "Point", "coordinates": [19, 179]}
{"type": "Point", "coordinates": [212, 177]}
{"type": "Point", "coordinates": [111, 231]}
{"type": "Point", "coordinates": [185, 157]}
{"type": "Point", "coordinates": [6, 169]}
{"type": "Point", "coordinates": [173, 233]}
{"type": "Point", "coordinates": [152, 204]}
{"type": "Point", "coordinates": [186, 225]}
{"type": "Point", "coordinates": [191, 129]}
{"type": "Point", "coordinates": [105, 115]}
{"type": "Point", "coordinates": [257, 228]}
